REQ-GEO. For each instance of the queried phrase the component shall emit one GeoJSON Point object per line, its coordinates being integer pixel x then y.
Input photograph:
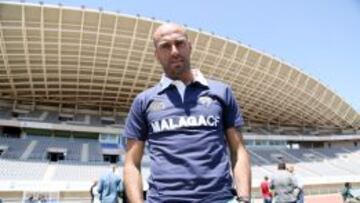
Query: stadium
{"type": "Point", "coordinates": [69, 75]}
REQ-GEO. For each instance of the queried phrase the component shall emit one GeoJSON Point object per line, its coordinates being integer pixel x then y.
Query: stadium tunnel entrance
{"type": "Point", "coordinates": [56, 154]}
{"type": "Point", "coordinates": [9, 131]}
{"type": "Point", "coordinates": [111, 153]}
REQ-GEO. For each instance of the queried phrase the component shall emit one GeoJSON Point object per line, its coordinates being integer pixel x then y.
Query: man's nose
{"type": "Point", "coordinates": [174, 50]}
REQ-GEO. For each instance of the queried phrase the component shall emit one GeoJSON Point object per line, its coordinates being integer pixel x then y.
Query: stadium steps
{"type": "Point", "coordinates": [28, 150]}
{"type": "Point", "coordinates": [354, 154]}
{"type": "Point", "coordinates": [49, 173]}
{"type": "Point", "coordinates": [85, 152]}
{"type": "Point", "coordinates": [306, 169]}
{"type": "Point", "coordinates": [44, 115]}
{"type": "Point", "coordinates": [335, 165]}
{"type": "Point", "coordinates": [259, 157]}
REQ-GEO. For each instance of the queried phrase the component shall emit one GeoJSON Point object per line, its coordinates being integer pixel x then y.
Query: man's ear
{"type": "Point", "coordinates": [156, 55]}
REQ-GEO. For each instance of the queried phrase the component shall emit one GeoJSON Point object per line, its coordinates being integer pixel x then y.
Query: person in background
{"type": "Point", "coordinates": [347, 194]}
{"type": "Point", "coordinates": [300, 189]}
{"type": "Point", "coordinates": [284, 185]}
{"type": "Point", "coordinates": [110, 186]}
{"type": "Point", "coordinates": [265, 190]}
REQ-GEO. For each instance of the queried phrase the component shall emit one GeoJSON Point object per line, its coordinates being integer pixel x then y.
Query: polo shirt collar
{"type": "Point", "coordinates": [165, 81]}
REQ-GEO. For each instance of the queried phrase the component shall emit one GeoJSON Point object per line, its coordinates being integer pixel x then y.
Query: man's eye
{"type": "Point", "coordinates": [165, 46]}
{"type": "Point", "coordinates": [179, 43]}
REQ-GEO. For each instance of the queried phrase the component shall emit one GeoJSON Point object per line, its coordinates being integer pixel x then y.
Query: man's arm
{"type": "Point", "coordinates": [240, 161]}
{"type": "Point", "coordinates": [132, 171]}
{"type": "Point", "coordinates": [100, 185]}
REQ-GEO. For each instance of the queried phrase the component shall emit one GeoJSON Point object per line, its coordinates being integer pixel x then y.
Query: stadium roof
{"type": "Point", "coordinates": [80, 58]}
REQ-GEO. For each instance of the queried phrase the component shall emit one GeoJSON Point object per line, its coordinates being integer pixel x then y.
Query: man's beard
{"type": "Point", "coordinates": [174, 72]}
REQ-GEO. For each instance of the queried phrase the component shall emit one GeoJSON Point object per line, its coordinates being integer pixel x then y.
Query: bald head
{"type": "Point", "coordinates": [290, 168]}
{"type": "Point", "coordinates": [173, 50]}
{"type": "Point", "coordinates": [166, 29]}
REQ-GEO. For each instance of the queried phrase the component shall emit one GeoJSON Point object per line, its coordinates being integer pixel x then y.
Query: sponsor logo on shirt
{"type": "Point", "coordinates": [184, 121]}
{"type": "Point", "coordinates": [156, 106]}
{"type": "Point", "coordinates": [205, 100]}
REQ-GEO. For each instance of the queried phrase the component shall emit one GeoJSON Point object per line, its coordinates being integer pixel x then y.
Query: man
{"type": "Point", "coordinates": [188, 122]}
{"type": "Point", "coordinates": [347, 194]}
{"type": "Point", "coordinates": [109, 186]}
{"type": "Point", "coordinates": [300, 189]}
{"type": "Point", "coordinates": [284, 185]}
{"type": "Point", "coordinates": [265, 190]}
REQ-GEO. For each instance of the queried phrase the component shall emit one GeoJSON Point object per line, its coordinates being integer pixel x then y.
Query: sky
{"type": "Point", "coordinates": [320, 37]}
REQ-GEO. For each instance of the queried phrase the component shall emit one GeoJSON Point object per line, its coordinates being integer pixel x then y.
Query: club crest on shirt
{"type": "Point", "coordinates": [156, 106]}
{"type": "Point", "coordinates": [205, 100]}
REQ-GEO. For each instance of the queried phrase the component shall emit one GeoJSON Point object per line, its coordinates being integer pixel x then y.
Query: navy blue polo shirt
{"type": "Point", "coordinates": [187, 143]}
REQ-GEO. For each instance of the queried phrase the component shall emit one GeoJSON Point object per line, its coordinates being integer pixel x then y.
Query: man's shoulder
{"type": "Point", "coordinates": [281, 174]}
{"type": "Point", "coordinates": [217, 84]}
{"type": "Point", "coordinates": [103, 177]}
{"type": "Point", "coordinates": [263, 183]}
{"type": "Point", "coordinates": [218, 87]}
{"type": "Point", "coordinates": [147, 93]}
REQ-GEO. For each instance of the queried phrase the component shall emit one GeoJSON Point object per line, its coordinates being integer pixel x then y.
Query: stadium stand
{"type": "Point", "coordinates": [14, 147]}
{"type": "Point", "coordinates": [22, 170]}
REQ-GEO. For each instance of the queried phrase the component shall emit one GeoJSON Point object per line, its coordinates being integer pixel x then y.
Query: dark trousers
{"type": "Point", "coordinates": [268, 200]}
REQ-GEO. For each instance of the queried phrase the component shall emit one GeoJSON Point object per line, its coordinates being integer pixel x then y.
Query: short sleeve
{"type": "Point", "coordinates": [119, 186]}
{"type": "Point", "coordinates": [232, 115]}
{"type": "Point", "coordinates": [136, 124]}
{"type": "Point", "coordinates": [100, 185]}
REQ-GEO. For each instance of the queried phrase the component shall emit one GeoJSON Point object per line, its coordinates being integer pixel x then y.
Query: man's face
{"type": "Point", "coordinates": [172, 50]}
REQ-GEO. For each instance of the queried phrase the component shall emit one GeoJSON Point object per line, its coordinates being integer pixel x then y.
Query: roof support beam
{"type": "Point", "coordinates": [231, 62]}
{"type": "Point", "coordinates": [26, 51]}
{"type": "Point", "coordinates": [92, 75]}
{"type": "Point", "coordinates": [126, 66]}
{"type": "Point", "coordinates": [110, 56]}
{"type": "Point", "coordinates": [7, 67]}
{"type": "Point", "coordinates": [59, 64]}
{"type": "Point", "coordinates": [43, 62]}
{"type": "Point", "coordinates": [78, 67]}
{"type": "Point", "coordinates": [141, 65]}
{"type": "Point", "coordinates": [218, 59]}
